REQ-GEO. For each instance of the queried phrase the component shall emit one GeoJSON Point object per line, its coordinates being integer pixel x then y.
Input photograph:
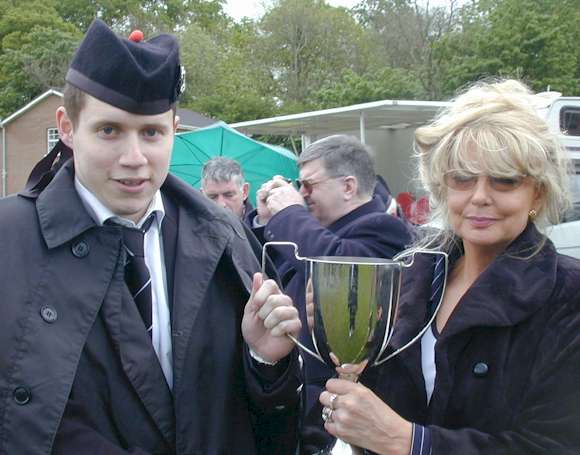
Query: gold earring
{"type": "Point", "coordinates": [532, 214]}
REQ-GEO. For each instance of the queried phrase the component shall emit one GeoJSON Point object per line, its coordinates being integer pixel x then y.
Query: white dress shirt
{"type": "Point", "coordinates": [155, 260]}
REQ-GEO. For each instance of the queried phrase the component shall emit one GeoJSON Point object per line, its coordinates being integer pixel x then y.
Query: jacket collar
{"type": "Point", "coordinates": [61, 213]}
{"type": "Point", "coordinates": [512, 288]}
{"type": "Point", "coordinates": [373, 206]}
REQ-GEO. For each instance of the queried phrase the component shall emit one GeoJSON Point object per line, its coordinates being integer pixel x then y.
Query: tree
{"type": "Point", "coordinates": [150, 16]}
{"type": "Point", "coordinates": [36, 46]}
{"type": "Point", "coordinates": [534, 40]}
{"type": "Point", "coordinates": [380, 84]}
{"type": "Point", "coordinates": [407, 35]}
{"type": "Point", "coordinates": [307, 43]}
{"type": "Point", "coordinates": [225, 79]}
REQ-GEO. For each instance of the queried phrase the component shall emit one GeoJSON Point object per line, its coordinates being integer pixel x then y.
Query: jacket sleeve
{"type": "Point", "coordinates": [372, 235]}
{"type": "Point", "coordinates": [548, 418]}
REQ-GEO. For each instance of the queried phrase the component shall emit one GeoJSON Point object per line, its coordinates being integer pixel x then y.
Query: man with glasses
{"type": "Point", "coordinates": [332, 213]}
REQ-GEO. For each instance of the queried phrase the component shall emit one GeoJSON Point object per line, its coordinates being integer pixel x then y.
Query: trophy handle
{"type": "Point", "coordinates": [267, 244]}
{"type": "Point", "coordinates": [300, 258]}
{"type": "Point", "coordinates": [412, 253]}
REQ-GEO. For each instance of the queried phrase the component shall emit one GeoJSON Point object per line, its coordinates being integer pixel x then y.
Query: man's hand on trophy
{"type": "Point", "coordinates": [353, 413]}
{"type": "Point", "coordinates": [269, 316]}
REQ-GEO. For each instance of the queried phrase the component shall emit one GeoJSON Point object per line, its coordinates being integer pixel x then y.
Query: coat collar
{"type": "Point", "coordinates": [373, 206]}
{"type": "Point", "coordinates": [512, 288]}
{"type": "Point", "coordinates": [61, 213]}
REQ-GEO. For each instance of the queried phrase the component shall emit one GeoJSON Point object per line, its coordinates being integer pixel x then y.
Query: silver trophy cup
{"type": "Point", "coordinates": [353, 307]}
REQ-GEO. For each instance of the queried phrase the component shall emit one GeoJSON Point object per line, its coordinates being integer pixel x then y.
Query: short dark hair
{"type": "Point", "coordinates": [74, 100]}
{"type": "Point", "coordinates": [343, 155]}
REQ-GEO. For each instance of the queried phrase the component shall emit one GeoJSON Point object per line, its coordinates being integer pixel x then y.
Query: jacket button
{"type": "Point", "coordinates": [480, 369]}
{"type": "Point", "coordinates": [80, 249]}
{"type": "Point", "coordinates": [48, 314]}
{"type": "Point", "coordinates": [21, 395]}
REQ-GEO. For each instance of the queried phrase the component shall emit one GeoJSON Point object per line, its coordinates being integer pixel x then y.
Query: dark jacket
{"type": "Point", "coordinates": [72, 344]}
{"type": "Point", "coordinates": [367, 231]}
{"type": "Point", "coordinates": [508, 359]}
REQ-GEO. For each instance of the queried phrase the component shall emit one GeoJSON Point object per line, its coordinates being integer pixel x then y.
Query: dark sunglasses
{"type": "Point", "coordinates": [308, 185]}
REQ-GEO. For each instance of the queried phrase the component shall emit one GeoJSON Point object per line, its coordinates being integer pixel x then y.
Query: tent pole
{"type": "Point", "coordinates": [362, 127]}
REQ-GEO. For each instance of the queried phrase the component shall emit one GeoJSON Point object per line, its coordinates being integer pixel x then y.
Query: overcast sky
{"type": "Point", "coordinates": [254, 8]}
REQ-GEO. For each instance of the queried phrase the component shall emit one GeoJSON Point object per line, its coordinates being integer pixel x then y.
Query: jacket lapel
{"type": "Point", "coordinates": [200, 245]}
{"type": "Point", "coordinates": [137, 355]}
{"type": "Point", "coordinates": [412, 317]}
{"type": "Point", "coordinates": [511, 289]}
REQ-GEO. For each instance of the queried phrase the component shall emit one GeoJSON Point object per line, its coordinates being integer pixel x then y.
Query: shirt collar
{"type": "Point", "coordinates": [100, 213]}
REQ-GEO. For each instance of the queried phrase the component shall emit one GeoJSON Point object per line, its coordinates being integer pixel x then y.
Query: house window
{"type": "Point", "coordinates": [52, 138]}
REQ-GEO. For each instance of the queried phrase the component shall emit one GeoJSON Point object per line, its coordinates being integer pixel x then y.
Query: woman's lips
{"type": "Point", "coordinates": [481, 221]}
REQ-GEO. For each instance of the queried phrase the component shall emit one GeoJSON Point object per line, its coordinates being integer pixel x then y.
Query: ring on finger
{"type": "Point", "coordinates": [333, 398]}
{"type": "Point", "coordinates": [327, 414]}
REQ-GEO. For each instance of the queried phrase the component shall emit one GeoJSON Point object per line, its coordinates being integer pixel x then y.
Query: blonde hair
{"type": "Point", "coordinates": [498, 121]}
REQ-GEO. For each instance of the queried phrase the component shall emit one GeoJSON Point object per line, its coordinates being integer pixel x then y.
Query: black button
{"type": "Point", "coordinates": [80, 249]}
{"type": "Point", "coordinates": [48, 314]}
{"type": "Point", "coordinates": [480, 369]}
{"type": "Point", "coordinates": [21, 395]}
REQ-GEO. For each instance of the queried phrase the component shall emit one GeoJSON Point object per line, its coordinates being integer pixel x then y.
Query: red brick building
{"type": "Point", "coordinates": [29, 133]}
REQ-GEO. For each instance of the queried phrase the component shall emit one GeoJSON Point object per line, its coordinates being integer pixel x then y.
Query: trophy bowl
{"type": "Point", "coordinates": [355, 306]}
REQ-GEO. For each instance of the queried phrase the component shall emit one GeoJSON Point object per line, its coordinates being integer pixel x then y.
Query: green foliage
{"type": "Point", "coordinates": [225, 79]}
{"type": "Point", "coordinates": [150, 16]}
{"type": "Point", "coordinates": [36, 46]}
{"type": "Point", "coordinates": [384, 83]}
{"type": "Point", "coordinates": [306, 43]}
{"type": "Point", "coordinates": [534, 40]}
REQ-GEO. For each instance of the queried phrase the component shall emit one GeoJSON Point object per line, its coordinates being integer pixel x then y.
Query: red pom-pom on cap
{"type": "Point", "coordinates": [136, 36]}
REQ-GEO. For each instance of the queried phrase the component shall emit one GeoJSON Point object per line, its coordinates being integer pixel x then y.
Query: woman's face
{"type": "Point", "coordinates": [488, 212]}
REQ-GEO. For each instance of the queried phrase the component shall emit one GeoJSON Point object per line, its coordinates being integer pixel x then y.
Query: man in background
{"type": "Point", "coordinates": [222, 180]}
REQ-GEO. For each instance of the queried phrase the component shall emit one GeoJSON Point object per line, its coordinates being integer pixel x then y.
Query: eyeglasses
{"type": "Point", "coordinates": [466, 181]}
{"type": "Point", "coordinates": [308, 185]}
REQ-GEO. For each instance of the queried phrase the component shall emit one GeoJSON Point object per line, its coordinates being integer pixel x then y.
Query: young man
{"type": "Point", "coordinates": [222, 180]}
{"type": "Point", "coordinates": [110, 345]}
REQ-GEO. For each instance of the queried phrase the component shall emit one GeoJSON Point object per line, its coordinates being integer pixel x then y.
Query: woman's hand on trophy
{"type": "Point", "coordinates": [269, 316]}
{"type": "Point", "coordinates": [353, 413]}
{"type": "Point", "coordinates": [310, 305]}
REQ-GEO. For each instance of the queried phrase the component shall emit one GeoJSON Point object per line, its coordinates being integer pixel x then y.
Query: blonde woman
{"type": "Point", "coordinates": [498, 370]}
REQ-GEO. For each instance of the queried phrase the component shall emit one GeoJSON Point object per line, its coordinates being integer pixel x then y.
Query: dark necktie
{"type": "Point", "coordinates": [137, 274]}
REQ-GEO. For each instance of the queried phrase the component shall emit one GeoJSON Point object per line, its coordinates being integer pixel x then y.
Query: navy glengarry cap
{"type": "Point", "coordinates": [141, 77]}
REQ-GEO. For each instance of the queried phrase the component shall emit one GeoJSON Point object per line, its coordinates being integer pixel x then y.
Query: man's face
{"type": "Point", "coordinates": [229, 195]}
{"type": "Point", "coordinates": [122, 158]}
{"type": "Point", "coordinates": [324, 194]}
